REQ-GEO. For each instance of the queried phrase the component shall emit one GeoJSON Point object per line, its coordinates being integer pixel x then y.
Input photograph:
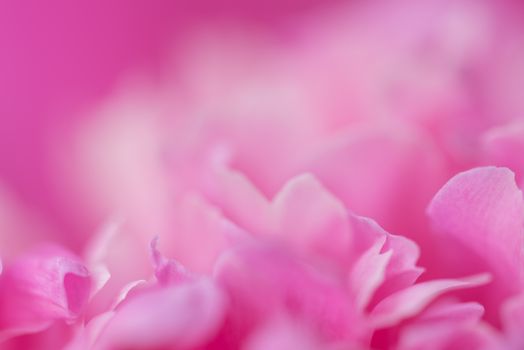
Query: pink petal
{"type": "Point", "coordinates": [368, 273]}
{"type": "Point", "coordinates": [412, 300]}
{"type": "Point", "coordinates": [449, 337]}
{"type": "Point", "coordinates": [513, 321]}
{"type": "Point", "coordinates": [264, 280]}
{"type": "Point", "coordinates": [452, 312]}
{"type": "Point", "coordinates": [401, 270]}
{"type": "Point", "coordinates": [282, 334]}
{"type": "Point", "coordinates": [41, 287]}
{"type": "Point", "coordinates": [199, 227]}
{"type": "Point", "coordinates": [503, 146]}
{"type": "Point", "coordinates": [183, 316]}
{"type": "Point", "coordinates": [449, 325]}
{"type": "Point", "coordinates": [483, 210]}
{"type": "Point", "coordinates": [302, 214]}
{"type": "Point", "coordinates": [312, 220]}
{"type": "Point", "coordinates": [167, 271]}
{"type": "Point", "coordinates": [382, 172]}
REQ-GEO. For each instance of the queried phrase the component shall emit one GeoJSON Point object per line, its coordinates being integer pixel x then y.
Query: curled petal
{"type": "Point", "coordinates": [369, 273]}
{"type": "Point", "coordinates": [412, 300]}
{"type": "Point", "coordinates": [39, 288]}
{"type": "Point", "coordinates": [167, 271]}
{"type": "Point", "coordinates": [401, 270]}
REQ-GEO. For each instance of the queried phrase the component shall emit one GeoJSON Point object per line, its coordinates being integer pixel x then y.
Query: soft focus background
{"type": "Point", "coordinates": [97, 97]}
{"type": "Point", "coordinates": [59, 59]}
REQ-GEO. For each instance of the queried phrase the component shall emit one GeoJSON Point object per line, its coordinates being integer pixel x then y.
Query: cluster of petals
{"type": "Point", "coordinates": [317, 198]}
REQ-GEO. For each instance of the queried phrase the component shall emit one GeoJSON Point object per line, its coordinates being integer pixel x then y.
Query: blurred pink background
{"type": "Point", "coordinates": [58, 58]}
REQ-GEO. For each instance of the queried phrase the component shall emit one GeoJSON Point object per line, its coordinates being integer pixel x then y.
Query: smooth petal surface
{"type": "Point", "coordinates": [513, 321]}
{"type": "Point", "coordinates": [448, 325]}
{"type": "Point", "coordinates": [412, 300]}
{"type": "Point", "coordinates": [313, 220]}
{"type": "Point", "coordinates": [504, 146]}
{"type": "Point", "coordinates": [483, 210]}
{"type": "Point", "coordinates": [183, 316]}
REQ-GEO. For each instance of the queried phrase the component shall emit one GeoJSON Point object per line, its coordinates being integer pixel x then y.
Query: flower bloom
{"type": "Point", "coordinates": [349, 180]}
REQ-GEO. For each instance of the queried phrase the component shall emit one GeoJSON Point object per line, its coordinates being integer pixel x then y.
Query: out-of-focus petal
{"type": "Point", "coordinates": [283, 333]}
{"type": "Point", "coordinates": [199, 234]}
{"type": "Point", "coordinates": [303, 215]}
{"type": "Point", "coordinates": [182, 316]}
{"type": "Point", "coordinates": [286, 284]}
{"type": "Point", "coordinates": [167, 271]}
{"type": "Point", "coordinates": [382, 172]}
{"type": "Point", "coordinates": [504, 146]}
{"type": "Point", "coordinates": [311, 219]}
{"type": "Point", "coordinates": [513, 321]}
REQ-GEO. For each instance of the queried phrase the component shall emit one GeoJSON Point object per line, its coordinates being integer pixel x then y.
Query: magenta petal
{"type": "Point", "coordinates": [42, 287]}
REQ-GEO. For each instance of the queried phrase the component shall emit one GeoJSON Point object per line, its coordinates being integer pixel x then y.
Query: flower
{"type": "Point", "coordinates": [348, 179]}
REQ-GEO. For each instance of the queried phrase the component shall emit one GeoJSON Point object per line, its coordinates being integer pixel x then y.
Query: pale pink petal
{"type": "Point", "coordinates": [402, 270]}
{"type": "Point", "coordinates": [452, 311]}
{"type": "Point", "coordinates": [282, 334]}
{"type": "Point", "coordinates": [410, 301]}
{"type": "Point", "coordinates": [199, 227]}
{"type": "Point", "coordinates": [86, 336]}
{"type": "Point", "coordinates": [513, 321]}
{"type": "Point", "coordinates": [182, 316]}
{"type": "Point", "coordinates": [239, 199]}
{"type": "Point", "coordinates": [479, 216]}
{"type": "Point", "coordinates": [312, 220]}
{"type": "Point", "coordinates": [445, 336]}
{"type": "Point", "coordinates": [127, 290]}
{"type": "Point", "coordinates": [382, 172]}
{"type": "Point", "coordinates": [449, 324]}
{"type": "Point", "coordinates": [302, 215]}
{"type": "Point", "coordinates": [504, 146]}
{"type": "Point", "coordinates": [264, 280]}
{"type": "Point", "coordinates": [368, 273]}
{"type": "Point", "coordinates": [167, 271]}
